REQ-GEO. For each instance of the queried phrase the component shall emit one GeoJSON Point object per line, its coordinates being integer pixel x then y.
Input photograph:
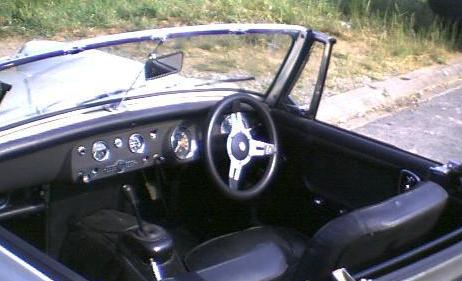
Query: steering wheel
{"type": "Point", "coordinates": [241, 146]}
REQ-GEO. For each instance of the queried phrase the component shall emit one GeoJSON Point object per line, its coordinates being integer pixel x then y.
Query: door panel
{"type": "Point", "coordinates": [346, 168]}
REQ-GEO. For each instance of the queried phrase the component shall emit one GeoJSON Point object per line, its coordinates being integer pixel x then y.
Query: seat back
{"type": "Point", "coordinates": [363, 236]}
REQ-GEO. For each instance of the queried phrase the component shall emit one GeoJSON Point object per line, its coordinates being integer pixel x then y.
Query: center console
{"type": "Point", "coordinates": [122, 245]}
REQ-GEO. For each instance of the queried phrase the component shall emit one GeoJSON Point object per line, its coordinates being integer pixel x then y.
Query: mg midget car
{"type": "Point", "coordinates": [194, 153]}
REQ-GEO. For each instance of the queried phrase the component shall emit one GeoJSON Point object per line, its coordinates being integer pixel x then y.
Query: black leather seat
{"type": "Point", "coordinates": [359, 237]}
{"type": "Point", "coordinates": [260, 253]}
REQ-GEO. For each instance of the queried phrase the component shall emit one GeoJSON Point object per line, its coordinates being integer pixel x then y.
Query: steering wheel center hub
{"type": "Point", "coordinates": [240, 146]}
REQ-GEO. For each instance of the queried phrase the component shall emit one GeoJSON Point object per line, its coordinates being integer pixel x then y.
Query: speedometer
{"type": "Point", "coordinates": [180, 142]}
{"type": "Point", "coordinates": [100, 151]}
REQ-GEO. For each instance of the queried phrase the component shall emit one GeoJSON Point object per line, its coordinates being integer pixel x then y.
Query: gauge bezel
{"type": "Point", "coordinates": [108, 151]}
{"type": "Point", "coordinates": [142, 148]}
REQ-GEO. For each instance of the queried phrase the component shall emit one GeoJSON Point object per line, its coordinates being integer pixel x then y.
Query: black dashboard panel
{"type": "Point", "coordinates": [48, 157]}
{"type": "Point", "coordinates": [131, 149]}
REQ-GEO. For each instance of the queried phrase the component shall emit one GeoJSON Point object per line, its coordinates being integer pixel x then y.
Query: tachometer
{"type": "Point", "coordinates": [180, 142]}
{"type": "Point", "coordinates": [136, 143]}
{"type": "Point", "coordinates": [100, 151]}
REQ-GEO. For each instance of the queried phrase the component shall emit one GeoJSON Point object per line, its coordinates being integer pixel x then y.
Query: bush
{"type": "Point", "coordinates": [451, 9]}
{"type": "Point", "coordinates": [417, 12]}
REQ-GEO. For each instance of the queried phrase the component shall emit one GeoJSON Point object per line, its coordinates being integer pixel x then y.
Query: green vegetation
{"type": "Point", "coordinates": [377, 37]}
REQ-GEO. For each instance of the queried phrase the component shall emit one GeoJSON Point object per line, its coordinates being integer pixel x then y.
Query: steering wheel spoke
{"type": "Point", "coordinates": [237, 122]}
{"type": "Point", "coordinates": [235, 170]}
{"type": "Point", "coordinates": [260, 148]}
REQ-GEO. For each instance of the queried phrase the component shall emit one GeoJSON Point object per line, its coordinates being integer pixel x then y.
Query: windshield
{"type": "Point", "coordinates": [246, 62]}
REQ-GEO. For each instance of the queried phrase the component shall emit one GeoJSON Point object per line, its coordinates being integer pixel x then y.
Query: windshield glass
{"type": "Point", "coordinates": [247, 62]}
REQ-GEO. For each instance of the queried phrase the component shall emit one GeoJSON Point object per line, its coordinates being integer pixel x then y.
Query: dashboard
{"type": "Point", "coordinates": [86, 151]}
{"type": "Point", "coordinates": [132, 149]}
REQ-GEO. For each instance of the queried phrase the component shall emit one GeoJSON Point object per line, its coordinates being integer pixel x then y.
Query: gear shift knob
{"type": "Point", "coordinates": [130, 195]}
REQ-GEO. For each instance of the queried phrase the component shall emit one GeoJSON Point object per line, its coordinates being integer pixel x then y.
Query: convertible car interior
{"type": "Point", "coordinates": [237, 187]}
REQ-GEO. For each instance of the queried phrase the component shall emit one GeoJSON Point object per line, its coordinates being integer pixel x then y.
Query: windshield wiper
{"type": "Point", "coordinates": [102, 96]}
{"type": "Point", "coordinates": [226, 80]}
{"type": "Point", "coordinates": [90, 100]}
{"type": "Point", "coordinates": [132, 84]}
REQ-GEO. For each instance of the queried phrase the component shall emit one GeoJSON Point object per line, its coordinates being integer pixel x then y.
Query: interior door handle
{"type": "Point", "coordinates": [342, 274]}
{"type": "Point", "coordinates": [407, 181]}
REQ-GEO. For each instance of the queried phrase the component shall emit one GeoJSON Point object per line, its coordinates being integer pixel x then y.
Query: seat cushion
{"type": "Point", "coordinates": [258, 245]}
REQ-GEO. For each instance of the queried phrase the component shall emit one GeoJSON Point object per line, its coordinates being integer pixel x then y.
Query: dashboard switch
{"type": "Point", "coordinates": [121, 166]}
{"type": "Point", "coordinates": [153, 134]}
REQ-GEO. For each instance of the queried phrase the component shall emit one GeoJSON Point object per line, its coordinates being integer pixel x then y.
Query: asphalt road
{"type": "Point", "coordinates": [432, 129]}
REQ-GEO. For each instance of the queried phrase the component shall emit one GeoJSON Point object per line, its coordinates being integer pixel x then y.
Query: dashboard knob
{"type": "Point", "coordinates": [158, 158]}
{"type": "Point", "coordinates": [86, 178]}
{"type": "Point", "coordinates": [118, 142]}
{"type": "Point", "coordinates": [81, 150]}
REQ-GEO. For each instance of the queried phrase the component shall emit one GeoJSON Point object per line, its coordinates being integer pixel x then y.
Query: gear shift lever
{"type": "Point", "coordinates": [150, 242]}
{"type": "Point", "coordinates": [130, 194]}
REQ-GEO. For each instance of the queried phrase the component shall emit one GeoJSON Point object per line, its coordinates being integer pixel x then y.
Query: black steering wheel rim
{"type": "Point", "coordinates": [263, 113]}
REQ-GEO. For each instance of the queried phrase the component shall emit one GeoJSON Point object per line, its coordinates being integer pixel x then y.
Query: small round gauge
{"type": "Point", "coordinates": [136, 143]}
{"type": "Point", "coordinates": [100, 151]}
{"type": "Point", "coordinates": [180, 142]}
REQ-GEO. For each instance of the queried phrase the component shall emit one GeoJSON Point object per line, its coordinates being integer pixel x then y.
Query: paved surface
{"type": "Point", "coordinates": [432, 129]}
{"type": "Point", "coordinates": [353, 107]}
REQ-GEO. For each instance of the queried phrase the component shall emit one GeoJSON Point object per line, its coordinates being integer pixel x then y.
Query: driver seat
{"type": "Point", "coordinates": [351, 241]}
